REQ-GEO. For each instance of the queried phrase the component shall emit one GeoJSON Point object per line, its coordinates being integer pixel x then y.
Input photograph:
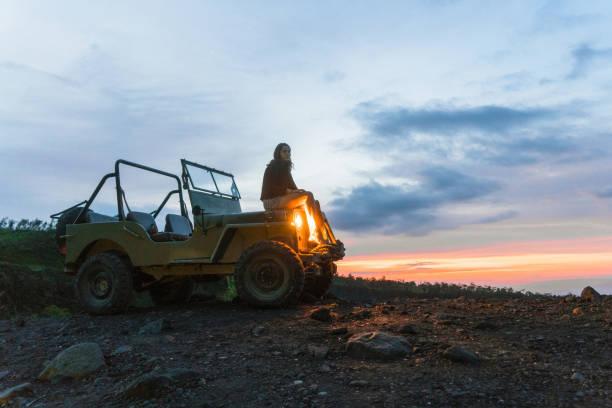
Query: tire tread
{"type": "Point", "coordinates": [122, 286]}
{"type": "Point", "coordinates": [289, 256]}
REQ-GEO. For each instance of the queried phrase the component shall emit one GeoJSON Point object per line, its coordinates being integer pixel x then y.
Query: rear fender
{"type": "Point", "coordinates": [95, 248]}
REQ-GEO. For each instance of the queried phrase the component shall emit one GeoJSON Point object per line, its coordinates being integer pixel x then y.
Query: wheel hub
{"type": "Point", "coordinates": [100, 286]}
{"type": "Point", "coordinates": [268, 276]}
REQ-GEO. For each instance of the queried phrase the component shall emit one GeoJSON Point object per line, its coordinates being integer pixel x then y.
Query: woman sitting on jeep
{"type": "Point", "coordinates": [279, 190]}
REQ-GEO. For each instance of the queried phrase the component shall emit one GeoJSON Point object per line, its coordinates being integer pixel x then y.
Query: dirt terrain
{"type": "Point", "coordinates": [536, 352]}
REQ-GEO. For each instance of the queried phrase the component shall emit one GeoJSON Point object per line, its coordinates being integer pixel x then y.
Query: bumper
{"type": "Point", "coordinates": [325, 253]}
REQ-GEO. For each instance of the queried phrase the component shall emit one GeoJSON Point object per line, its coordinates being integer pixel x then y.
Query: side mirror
{"type": "Point", "coordinates": [197, 210]}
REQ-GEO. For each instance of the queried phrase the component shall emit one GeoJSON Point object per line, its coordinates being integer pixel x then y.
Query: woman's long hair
{"type": "Point", "coordinates": [277, 157]}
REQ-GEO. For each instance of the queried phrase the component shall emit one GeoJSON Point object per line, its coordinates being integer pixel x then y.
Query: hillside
{"type": "Point", "coordinates": [369, 344]}
{"type": "Point", "coordinates": [531, 352]}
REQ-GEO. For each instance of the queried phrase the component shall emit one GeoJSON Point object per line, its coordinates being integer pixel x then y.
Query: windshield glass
{"type": "Point", "coordinates": [212, 181]}
{"type": "Point", "coordinates": [226, 184]}
{"type": "Point", "coordinates": [201, 178]}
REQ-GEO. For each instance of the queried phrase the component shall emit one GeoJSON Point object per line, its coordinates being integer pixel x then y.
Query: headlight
{"type": "Point", "coordinates": [297, 220]}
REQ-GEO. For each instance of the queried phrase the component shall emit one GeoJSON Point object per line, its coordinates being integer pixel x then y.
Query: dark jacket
{"type": "Point", "coordinates": [277, 179]}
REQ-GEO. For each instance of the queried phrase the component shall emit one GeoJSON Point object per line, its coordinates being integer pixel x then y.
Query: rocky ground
{"type": "Point", "coordinates": [436, 352]}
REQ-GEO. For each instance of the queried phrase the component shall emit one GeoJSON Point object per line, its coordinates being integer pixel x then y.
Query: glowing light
{"type": "Point", "coordinates": [297, 220]}
{"type": "Point", "coordinates": [312, 226]}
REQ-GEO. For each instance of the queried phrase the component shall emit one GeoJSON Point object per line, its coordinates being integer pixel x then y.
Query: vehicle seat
{"type": "Point", "coordinates": [146, 220]}
{"type": "Point", "coordinates": [148, 223]}
{"type": "Point", "coordinates": [96, 217]}
{"type": "Point", "coordinates": [178, 224]}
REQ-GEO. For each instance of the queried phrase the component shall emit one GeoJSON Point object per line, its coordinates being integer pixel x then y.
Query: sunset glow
{"type": "Point", "coordinates": [506, 264]}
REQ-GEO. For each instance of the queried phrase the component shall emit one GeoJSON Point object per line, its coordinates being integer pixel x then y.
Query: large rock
{"type": "Point", "coordinates": [148, 385]}
{"type": "Point", "coordinates": [407, 329]}
{"type": "Point", "coordinates": [322, 314]}
{"type": "Point", "coordinates": [121, 350]}
{"type": "Point", "coordinates": [75, 362]}
{"type": "Point", "coordinates": [21, 389]}
{"type": "Point", "coordinates": [318, 352]}
{"type": "Point", "coordinates": [155, 327]}
{"type": "Point", "coordinates": [157, 383]}
{"type": "Point", "coordinates": [590, 294]}
{"type": "Point", "coordinates": [377, 345]}
{"type": "Point", "coordinates": [460, 355]}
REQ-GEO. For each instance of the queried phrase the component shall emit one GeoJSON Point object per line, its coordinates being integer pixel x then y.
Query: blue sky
{"type": "Point", "coordinates": [418, 125]}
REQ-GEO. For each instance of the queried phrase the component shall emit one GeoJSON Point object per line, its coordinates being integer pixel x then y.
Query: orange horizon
{"type": "Point", "coordinates": [502, 264]}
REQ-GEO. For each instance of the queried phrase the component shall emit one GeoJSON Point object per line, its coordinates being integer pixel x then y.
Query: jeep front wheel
{"type": "Point", "coordinates": [269, 273]}
{"type": "Point", "coordinates": [104, 284]}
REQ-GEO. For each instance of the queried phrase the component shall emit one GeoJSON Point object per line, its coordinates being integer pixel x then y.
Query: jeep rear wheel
{"type": "Point", "coordinates": [104, 284]}
{"type": "Point", "coordinates": [269, 273]}
{"type": "Point", "coordinates": [174, 292]}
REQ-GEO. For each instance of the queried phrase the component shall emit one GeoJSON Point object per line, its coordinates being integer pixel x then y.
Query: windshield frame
{"type": "Point", "coordinates": [189, 184]}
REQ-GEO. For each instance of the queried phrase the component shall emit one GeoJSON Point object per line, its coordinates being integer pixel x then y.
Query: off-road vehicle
{"type": "Point", "coordinates": [274, 256]}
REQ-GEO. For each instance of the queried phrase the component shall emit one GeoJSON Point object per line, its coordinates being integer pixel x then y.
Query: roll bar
{"type": "Point", "coordinates": [121, 215]}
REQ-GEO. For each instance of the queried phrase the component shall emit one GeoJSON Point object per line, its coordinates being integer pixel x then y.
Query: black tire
{"type": "Point", "coordinates": [172, 293]}
{"type": "Point", "coordinates": [269, 273]}
{"type": "Point", "coordinates": [318, 285]}
{"type": "Point", "coordinates": [104, 284]}
{"type": "Point", "coordinates": [66, 218]}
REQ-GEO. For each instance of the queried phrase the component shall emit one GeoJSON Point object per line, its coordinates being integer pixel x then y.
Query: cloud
{"type": "Point", "coordinates": [551, 17]}
{"type": "Point", "coordinates": [397, 121]}
{"type": "Point", "coordinates": [334, 76]}
{"type": "Point", "coordinates": [419, 265]}
{"type": "Point", "coordinates": [585, 57]}
{"type": "Point", "coordinates": [14, 66]}
{"type": "Point", "coordinates": [527, 149]}
{"type": "Point", "coordinates": [499, 217]}
{"type": "Point", "coordinates": [604, 193]}
{"type": "Point", "coordinates": [66, 130]}
{"type": "Point", "coordinates": [499, 135]}
{"type": "Point", "coordinates": [404, 209]}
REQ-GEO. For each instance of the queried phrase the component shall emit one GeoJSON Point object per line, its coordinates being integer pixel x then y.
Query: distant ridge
{"type": "Point", "coordinates": [566, 286]}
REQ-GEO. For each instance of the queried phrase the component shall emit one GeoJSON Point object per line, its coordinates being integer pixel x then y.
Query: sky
{"type": "Point", "coordinates": [434, 133]}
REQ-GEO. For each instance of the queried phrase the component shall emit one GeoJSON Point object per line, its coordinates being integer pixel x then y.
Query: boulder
{"type": "Point", "coordinates": [338, 331]}
{"type": "Point", "coordinates": [407, 329]}
{"type": "Point", "coordinates": [121, 350]}
{"type": "Point", "coordinates": [16, 391]}
{"type": "Point", "coordinates": [322, 314]}
{"type": "Point", "coordinates": [155, 327]}
{"type": "Point", "coordinates": [318, 352]}
{"type": "Point", "coordinates": [148, 385]}
{"type": "Point", "coordinates": [486, 325]}
{"type": "Point", "coordinates": [182, 375]}
{"type": "Point", "coordinates": [377, 345]}
{"type": "Point", "coordinates": [590, 294]}
{"type": "Point", "coordinates": [361, 314]}
{"type": "Point", "coordinates": [157, 382]}
{"type": "Point", "coordinates": [74, 362]}
{"type": "Point", "coordinates": [460, 355]}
